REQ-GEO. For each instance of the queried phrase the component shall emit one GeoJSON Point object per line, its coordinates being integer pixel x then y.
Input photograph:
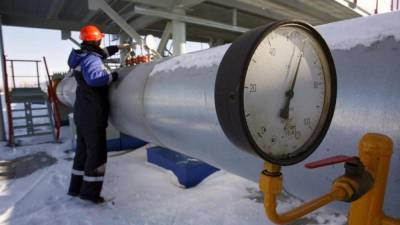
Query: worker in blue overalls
{"type": "Point", "coordinates": [91, 113]}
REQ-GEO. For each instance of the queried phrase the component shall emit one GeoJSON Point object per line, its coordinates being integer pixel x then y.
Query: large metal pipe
{"type": "Point", "coordinates": [171, 103]}
{"type": "Point", "coordinates": [366, 52]}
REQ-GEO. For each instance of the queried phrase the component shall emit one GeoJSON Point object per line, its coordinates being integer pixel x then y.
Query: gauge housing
{"type": "Point", "coordinates": [229, 100]}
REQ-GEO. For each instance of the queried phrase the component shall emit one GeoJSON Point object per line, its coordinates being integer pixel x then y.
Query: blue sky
{"type": "Point", "coordinates": [33, 43]}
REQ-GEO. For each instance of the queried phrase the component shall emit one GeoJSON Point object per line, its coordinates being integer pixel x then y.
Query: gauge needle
{"type": "Point", "coordinates": [284, 113]}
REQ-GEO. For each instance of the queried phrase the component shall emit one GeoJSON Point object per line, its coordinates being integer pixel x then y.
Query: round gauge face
{"type": "Point", "coordinates": [287, 92]}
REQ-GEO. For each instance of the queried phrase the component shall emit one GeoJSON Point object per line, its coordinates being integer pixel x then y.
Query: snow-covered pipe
{"type": "Point", "coordinates": [171, 103]}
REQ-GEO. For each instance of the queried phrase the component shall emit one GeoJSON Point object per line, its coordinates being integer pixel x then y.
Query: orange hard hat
{"type": "Point", "coordinates": [90, 33]}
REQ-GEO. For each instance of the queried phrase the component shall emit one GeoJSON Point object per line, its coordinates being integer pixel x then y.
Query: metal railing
{"type": "Point", "coordinates": [376, 6]}
{"type": "Point", "coordinates": [14, 76]}
{"type": "Point", "coordinates": [51, 92]}
{"type": "Point", "coordinates": [32, 84]}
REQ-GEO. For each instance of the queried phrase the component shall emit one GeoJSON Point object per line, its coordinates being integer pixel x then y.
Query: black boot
{"type": "Point", "coordinates": [95, 200]}
{"type": "Point", "coordinates": [75, 185]}
{"type": "Point", "coordinates": [72, 194]}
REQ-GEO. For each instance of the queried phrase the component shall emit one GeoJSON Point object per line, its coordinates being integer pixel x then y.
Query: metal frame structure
{"type": "Point", "coordinates": [164, 38]}
{"type": "Point", "coordinates": [189, 19]}
{"type": "Point", "coordinates": [206, 19]}
{"type": "Point", "coordinates": [101, 4]}
{"type": "Point", "coordinates": [66, 35]}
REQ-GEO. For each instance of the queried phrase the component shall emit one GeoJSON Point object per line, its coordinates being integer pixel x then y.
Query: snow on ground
{"type": "Point", "coordinates": [144, 194]}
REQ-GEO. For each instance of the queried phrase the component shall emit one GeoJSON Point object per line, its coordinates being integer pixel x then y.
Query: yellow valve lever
{"type": "Point", "coordinates": [375, 153]}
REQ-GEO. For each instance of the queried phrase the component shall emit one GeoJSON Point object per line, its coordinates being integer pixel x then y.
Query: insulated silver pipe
{"type": "Point", "coordinates": [65, 90]}
{"type": "Point", "coordinates": [171, 103]}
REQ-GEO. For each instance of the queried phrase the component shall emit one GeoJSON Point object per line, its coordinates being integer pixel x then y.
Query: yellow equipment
{"type": "Point", "coordinates": [363, 184]}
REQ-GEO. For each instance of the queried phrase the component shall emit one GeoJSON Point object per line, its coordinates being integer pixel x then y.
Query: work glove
{"type": "Point", "coordinates": [114, 76]}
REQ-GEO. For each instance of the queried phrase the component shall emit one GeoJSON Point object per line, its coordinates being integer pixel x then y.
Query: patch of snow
{"type": "Point", "coordinates": [200, 59]}
{"type": "Point", "coordinates": [361, 31]}
{"type": "Point", "coordinates": [144, 194]}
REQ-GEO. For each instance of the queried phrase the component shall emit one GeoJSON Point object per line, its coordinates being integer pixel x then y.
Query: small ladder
{"type": "Point", "coordinates": [29, 110]}
{"type": "Point", "coordinates": [33, 112]}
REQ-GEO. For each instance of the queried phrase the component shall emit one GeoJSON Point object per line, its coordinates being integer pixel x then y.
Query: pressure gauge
{"type": "Point", "coordinates": [276, 90]}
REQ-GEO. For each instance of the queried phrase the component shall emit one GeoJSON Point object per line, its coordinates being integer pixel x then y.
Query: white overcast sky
{"type": "Point", "coordinates": [30, 43]}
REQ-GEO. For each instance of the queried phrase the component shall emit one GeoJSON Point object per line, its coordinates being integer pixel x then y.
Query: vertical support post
{"type": "Point", "coordinates": [2, 58]}
{"type": "Point", "coordinates": [234, 17]}
{"type": "Point", "coordinates": [179, 35]}
{"type": "Point", "coordinates": [375, 152]}
{"type": "Point", "coordinates": [37, 73]}
{"type": "Point", "coordinates": [12, 73]}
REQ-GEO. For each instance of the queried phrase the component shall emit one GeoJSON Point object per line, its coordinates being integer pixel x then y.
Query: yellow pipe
{"type": "Point", "coordinates": [390, 221]}
{"type": "Point", "coordinates": [301, 211]}
{"type": "Point", "coordinates": [271, 186]}
{"type": "Point", "coordinates": [375, 151]}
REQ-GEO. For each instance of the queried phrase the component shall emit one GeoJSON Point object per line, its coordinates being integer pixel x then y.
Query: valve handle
{"type": "Point", "coordinates": [330, 161]}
